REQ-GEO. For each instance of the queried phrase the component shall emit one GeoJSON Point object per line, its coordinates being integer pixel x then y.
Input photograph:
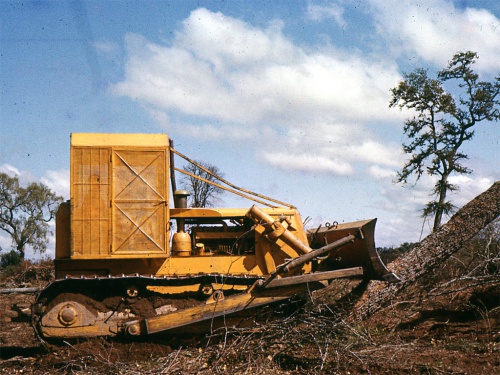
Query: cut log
{"type": "Point", "coordinates": [19, 290]}
{"type": "Point", "coordinates": [433, 251]}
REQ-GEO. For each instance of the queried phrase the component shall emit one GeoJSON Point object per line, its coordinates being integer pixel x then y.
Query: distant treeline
{"type": "Point", "coordinates": [389, 254]}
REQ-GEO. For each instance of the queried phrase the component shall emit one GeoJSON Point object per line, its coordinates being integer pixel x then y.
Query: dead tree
{"type": "Point", "coordinates": [433, 251]}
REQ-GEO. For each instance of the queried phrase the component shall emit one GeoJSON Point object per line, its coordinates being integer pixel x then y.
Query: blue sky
{"type": "Point", "coordinates": [288, 98]}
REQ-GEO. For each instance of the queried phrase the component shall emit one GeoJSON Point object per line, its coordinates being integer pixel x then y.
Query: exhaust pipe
{"type": "Point", "coordinates": [181, 241]}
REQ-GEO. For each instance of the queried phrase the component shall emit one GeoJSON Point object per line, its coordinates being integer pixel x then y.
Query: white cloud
{"type": "Point", "coordinates": [237, 81]}
{"type": "Point", "coordinates": [381, 173]}
{"type": "Point", "coordinates": [409, 228]}
{"type": "Point", "coordinates": [229, 42]}
{"type": "Point", "coordinates": [210, 132]}
{"type": "Point", "coordinates": [436, 30]}
{"type": "Point", "coordinates": [331, 148]}
{"type": "Point", "coordinates": [25, 177]}
{"type": "Point", "coordinates": [372, 151]}
{"type": "Point", "coordinates": [308, 163]}
{"type": "Point", "coordinates": [58, 181]}
{"type": "Point", "coordinates": [469, 187]}
{"type": "Point", "coordinates": [9, 170]}
{"type": "Point", "coordinates": [400, 206]}
{"type": "Point", "coordinates": [327, 11]}
{"type": "Point", "coordinates": [161, 117]}
{"type": "Point", "coordinates": [284, 88]}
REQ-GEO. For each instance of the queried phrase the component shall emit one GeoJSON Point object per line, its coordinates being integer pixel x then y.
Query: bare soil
{"type": "Point", "coordinates": [457, 334]}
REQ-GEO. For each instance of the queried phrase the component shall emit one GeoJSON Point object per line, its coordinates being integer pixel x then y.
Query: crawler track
{"type": "Point", "coordinates": [100, 306]}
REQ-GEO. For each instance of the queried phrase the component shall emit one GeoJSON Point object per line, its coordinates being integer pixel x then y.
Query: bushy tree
{"type": "Point", "coordinates": [25, 213]}
{"type": "Point", "coordinates": [11, 258]}
{"type": "Point", "coordinates": [443, 123]}
{"type": "Point", "coordinates": [203, 194]}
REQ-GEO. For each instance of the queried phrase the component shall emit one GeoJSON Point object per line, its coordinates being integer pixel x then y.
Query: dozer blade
{"type": "Point", "coordinates": [359, 253]}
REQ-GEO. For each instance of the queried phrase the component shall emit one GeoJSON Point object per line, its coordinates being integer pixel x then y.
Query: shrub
{"type": "Point", "coordinates": [11, 258]}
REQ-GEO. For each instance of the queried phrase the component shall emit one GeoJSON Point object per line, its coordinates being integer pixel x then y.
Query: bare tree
{"type": "Point", "coordinates": [442, 124]}
{"type": "Point", "coordinates": [203, 194]}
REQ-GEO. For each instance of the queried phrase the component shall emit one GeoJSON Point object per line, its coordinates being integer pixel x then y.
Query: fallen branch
{"type": "Point", "coordinates": [20, 290]}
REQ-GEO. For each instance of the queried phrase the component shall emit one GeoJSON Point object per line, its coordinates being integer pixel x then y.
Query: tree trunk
{"type": "Point", "coordinates": [20, 249]}
{"type": "Point", "coordinates": [440, 206]}
{"type": "Point", "coordinates": [427, 256]}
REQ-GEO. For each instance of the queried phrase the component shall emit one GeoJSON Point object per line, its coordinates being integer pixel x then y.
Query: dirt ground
{"type": "Point", "coordinates": [440, 337]}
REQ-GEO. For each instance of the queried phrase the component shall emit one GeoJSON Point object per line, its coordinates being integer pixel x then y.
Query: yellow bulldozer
{"type": "Point", "coordinates": [130, 263]}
